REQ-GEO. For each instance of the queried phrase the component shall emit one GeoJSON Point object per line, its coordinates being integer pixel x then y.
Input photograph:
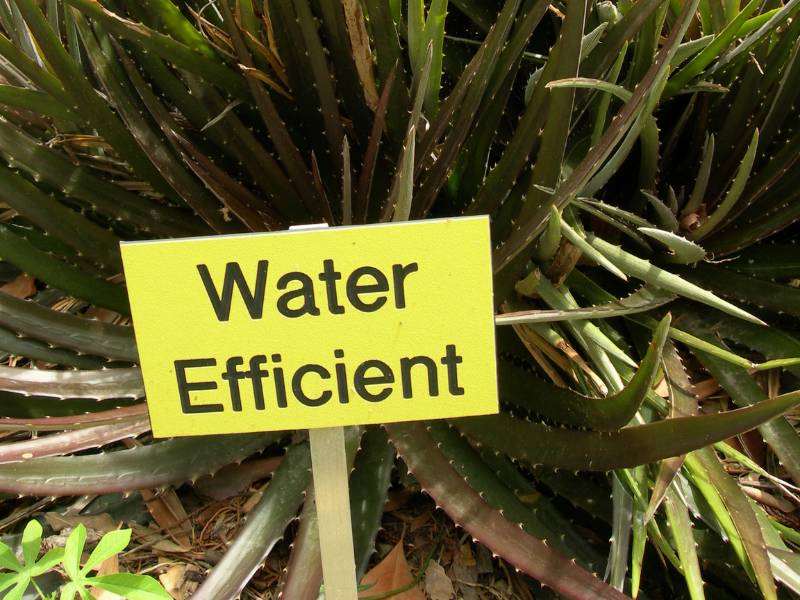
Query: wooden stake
{"type": "Point", "coordinates": [331, 476]}
{"type": "Point", "coordinates": [332, 496]}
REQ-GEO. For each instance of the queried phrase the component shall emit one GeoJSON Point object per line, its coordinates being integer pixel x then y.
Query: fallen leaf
{"type": "Point", "coordinates": [235, 479]}
{"type": "Point", "coordinates": [252, 501]}
{"type": "Point", "coordinates": [362, 54]}
{"type": "Point", "coordinates": [391, 574]}
{"type": "Point", "coordinates": [662, 389]}
{"type": "Point", "coordinates": [437, 584]}
{"type": "Point", "coordinates": [102, 523]}
{"type": "Point", "coordinates": [465, 555]}
{"type": "Point", "coordinates": [483, 560]}
{"type": "Point", "coordinates": [420, 521]}
{"type": "Point", "coordinates": [168, 512]}
{"type": "Point", "coordinates": [172, 580]}
{"type": "Point", "coordinates": [23, 286]}
{"type": "Point", "coordinates": [156, 539]}
{"type": "Point", "coordinates": [170, 546]}
{"type": "Point", "coordinates": [101, 314]}
{"type": "Point", "coordinates": [108, 567]}
{"type": "Point", "coordinates": [465, 579]}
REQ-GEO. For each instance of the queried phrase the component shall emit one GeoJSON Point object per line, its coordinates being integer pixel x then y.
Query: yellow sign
{"type": "Point", "coordinates": [315, 328]}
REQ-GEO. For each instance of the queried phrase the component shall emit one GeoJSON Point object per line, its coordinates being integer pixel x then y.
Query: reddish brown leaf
{"type": "Point", "coordinates": [23, 286]}
{"type": "Point", "coordinates": [391, 574]}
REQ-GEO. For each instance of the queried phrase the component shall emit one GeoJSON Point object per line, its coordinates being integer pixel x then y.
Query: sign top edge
{"type": "Point", "coordinates": [310, 228]}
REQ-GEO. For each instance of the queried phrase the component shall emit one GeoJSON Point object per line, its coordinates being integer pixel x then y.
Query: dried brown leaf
{"type": "Point", "coordinates": [168, 512]}
{"type": "Point", "coordinates": [102, 523]}
{"type": "Point", "coordinates": [437, 584]}
{"type": "Point", "coordinates": [391, 574]}
{"type": "Point", "coordinates": [23, 286]}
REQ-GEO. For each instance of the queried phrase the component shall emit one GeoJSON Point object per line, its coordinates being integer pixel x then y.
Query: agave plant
{"type": "Point", "coordinates": [639, 163]}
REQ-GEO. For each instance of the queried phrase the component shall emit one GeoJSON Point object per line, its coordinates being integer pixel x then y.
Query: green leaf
{"type": "Point", "coordinates": [434, 35]}
{"type": "Point", "coordinates": [389, 58]}
{"type": "Point", "coordinates": [619, 225]}
{"type": "Point", "coordinates": [47, 562]}
{"type": "Point", "coordinates": [150, 466]}
{"type": "Point", "coordinates": [58, 171]}
{"type": "Point", "coordinates": [769, 27]}
{"type": "Point", "coordinates": [646, 271]}
{"type": "Point", "coordinates": [526, 232]}
{"type": "Point", "coordinates": [565, 58]}
{"type": "Point", "coordinates": [35, 101]}
{"type": "Point", "coordinates": [575, 410]}
{"type": "Point", "coordinates": [643, 129]}
{"type": "Point", "coordinates": [324, 93]}
{"type": "Point", "coordinates": [73, 550]}
{"type": "Point", "coordinates": [721, 41]}
{"type": "Point", "coordinates": [773, 343]}
{"type": "Point", "coordinates": [768, 261]}
{"type": "Point", "coordinates": [416, 34]}
{"type": "Point", "coordinates": [666, 218]}
{"type": "Point", "coordinates": [110, 544]}
{"type": "Point", "coordinates": [536, 443]}
{"type": "Point", "coordinates": [8, 560]}
{"type": "Point", "coordinates": [19, 589]}
{"type": "Point", "coordinates": [473, 164]}
{"type": "Point", "coordinates": [170, 19]}
{"type": "Point", "coordinates": [71, 588]}
{"type": "Point", "coordinates": [587, 83]}
{"type": "Point", "coordinates": [289, 154]}
{"type": "Point", "coordinates": [7, 579]}
{"type": "Point", "coordinates": [56, 219]}
{"type": "Point", "coordinates": [615, 211]}
{"type": "Point", "coordinates": [744, 519]}
{"type": "Point", "coordinates": [264, 527]}
{"type": "Point", "coordinates": [579, 241]}
{"type": "Point", "coordinates": [449, 490]}
{"type": "Point", "coordinates": [369, 488]}
{"type": "Point", "coordinates": [701, 182]}
{"type": "Point", "coordinates": [516, 497]}
{"type": "Point", "coordinates": [365, 178]}
{"type": "Point", "coordinates": [681, 528]}
{"type": "Point", "coordinates": [682, 403]}
{"type": "Point", "coordinates": [745, 391]}
{"type": "Point", "coordinates": [778, 297]}
{"type": "Point", "coordinates": [72, 280]}
{"type": "Point", "coordinates": [590, 333]}
{"type": "Point", "coordinates": [786, 567]}
{"type": "Point", "coordinates": [458, 112]}
{"type": "Point", "coordinates": [404, 181]}
{"type": "Point", "coordinates": [683, 251]}
{"type": "Point", "coordinates": [88, 336]}
{"type": "Point", "coordinates": [620, 34]}
{"type": "Point", "coordinates": [588, 288]}
{"type": "Point", "coordinates": [40, 76]}
{"type": "Point", "coordinates": [85, 99]}
{"type": "Point", "coordinates": [166, 47]}
{"type": "Point", "coordinates": [733, 195]}
{"type": "Point", "coordinates": [122, 97]}
{"type": "Point", "coordinates": [621, 528]}
{"type": "Point", "coordinates": [31, 542]}
{"type": "Point", "coordinates": [130, 586]}
{"type": "Point", "coordinates": [641, 300]}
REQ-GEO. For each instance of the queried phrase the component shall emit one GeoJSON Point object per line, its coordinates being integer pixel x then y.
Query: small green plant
{"type": "Point", "coordinates": [127, 585]}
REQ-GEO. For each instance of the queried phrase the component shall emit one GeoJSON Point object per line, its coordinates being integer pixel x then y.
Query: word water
{"type": "Point", "coordinates": [366, 289]}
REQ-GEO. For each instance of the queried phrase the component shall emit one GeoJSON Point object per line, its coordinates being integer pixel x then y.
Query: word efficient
{"type": "Point", "coordinates": [313, 384]}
